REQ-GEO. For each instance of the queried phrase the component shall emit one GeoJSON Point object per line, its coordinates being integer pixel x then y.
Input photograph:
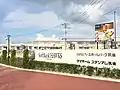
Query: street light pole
{"type": "Point", "coordinates": [115, 27]}
{"type": "Point", "coordinates": [65, 32]}
{"type": "Point", "coordinates": [8, 47]}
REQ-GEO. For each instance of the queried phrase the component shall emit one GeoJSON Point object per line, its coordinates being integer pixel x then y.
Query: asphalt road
{"type": "Point", "coordinates": [11, 79]}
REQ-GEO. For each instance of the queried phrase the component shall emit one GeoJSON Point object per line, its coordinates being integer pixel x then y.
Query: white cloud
{"type": "Point", "coordinates": [20, 19]}
{"type": "Point", "coordinates": [94, 13]}
{"type": "Point", "coordinates": [81, 30]}
{"type": "Point", "coordinates": [22, 39]}
{"type": "Point", "coordinates": [88, 13]}
{"type": "Point", "coordinates": [69, 10]}
{"type": "Point", "coordinates": [46, 20]}
{"type": "Point", "coordinates": [39, 35]}
{"type": "Point", "coordinates": [53, 36]}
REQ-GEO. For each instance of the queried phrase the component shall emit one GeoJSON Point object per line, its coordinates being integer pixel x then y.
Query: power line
{"type": "Point", "coordinates": [88, 15]}
{"type": "Point", "coordinates": [104, 3]}
{"type": "Point", "coordinates": [92, 6]}
{"type": "Point", "coordinates": [111, 11]}
{"type": "Point", "coordinates": [99, 6]}
{"type": "Point", "coordinates": [91, 3]}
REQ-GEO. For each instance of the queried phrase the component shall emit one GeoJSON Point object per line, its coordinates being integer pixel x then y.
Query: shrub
{"type": "Point", "coordinates": [105, 72]}
{"type": "Point", "coordinates": [112, 73]}
{"type": "Point", "coordinates": [51, 66]}
{"type": "Point", "coordinates": [4, 57]}
{"type": "Point", "coordinates": [0, 59]}
{"type": "Point", "coordinates": [65, 68]}
{"type": "Point", "coordinates": [117, 73]}
{"type": "Point", "coordinates": [18, 62]}
{"type": "Point", "coordinates": [79, 68]}
{"type": "Point", "coordinates": [98, 71]}
{"type": "Point", "coordinates": [84, 69]}
{"type": "Point", "coordinates": [90, 71]}
{"type": "Point", "coordinates": [13, 57]}
{"type": "Point", "coordinates": [31, 64]}
{"type": "Point", "coordinates": [26, 58]}
{"type": "Point", "coordinates": [75, 69]}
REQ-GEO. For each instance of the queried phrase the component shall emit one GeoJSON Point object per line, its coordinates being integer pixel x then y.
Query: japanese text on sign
{"type": "Point", "coordinates": [97, 54]}
{"type": "Point", "coordinates": [97, 62]}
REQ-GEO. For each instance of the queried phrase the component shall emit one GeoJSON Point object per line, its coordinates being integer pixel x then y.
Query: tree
{"type": "Point", "coordinates": [4, 57]}
{"type": "Point", "coordinates": [13, 57]}
{"type": "Point", "coordinates": [25, 58]}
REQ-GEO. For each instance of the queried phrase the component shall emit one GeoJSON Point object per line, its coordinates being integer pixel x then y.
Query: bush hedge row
{"type": "Point", "coordinates": [28, 63]}
{"type": "Point", "coordinates": [75, 69]}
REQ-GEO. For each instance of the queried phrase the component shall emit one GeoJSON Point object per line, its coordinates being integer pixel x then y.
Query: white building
{"type": "Point", "coordinates": [41, 43]}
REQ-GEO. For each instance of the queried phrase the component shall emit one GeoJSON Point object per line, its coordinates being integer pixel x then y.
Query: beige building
{"type": "Point", "coordinates": [42, 43]}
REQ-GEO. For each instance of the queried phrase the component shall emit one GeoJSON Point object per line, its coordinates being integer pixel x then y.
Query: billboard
{"type": "Point", "coordinates": [104, 31]}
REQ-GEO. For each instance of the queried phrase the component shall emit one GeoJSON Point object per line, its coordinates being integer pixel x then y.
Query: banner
{"type": "Point", "coordinates": [104, 31]}
{"type": "Point", "coordinates": [95, 58]}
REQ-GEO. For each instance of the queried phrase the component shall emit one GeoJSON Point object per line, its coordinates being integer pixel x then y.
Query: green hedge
{"type": "Point", "coordinates": [75, 69]}
{"type": "Point", "coordinates": [26, 58]}
{"type": "Point", "coordinates": [13, 57]}
{"type": "Point", "coordinates": [0, 59]}
{"type": "Point", "coordinates": [18, 62]}
{"type": "Point", "coordinates": [4, 58]}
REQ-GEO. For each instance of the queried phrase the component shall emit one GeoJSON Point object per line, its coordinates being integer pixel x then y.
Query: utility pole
{"type": "Point", "coordinates": [65, 32]}
{"type": "Point", "coordinates": [115, 27]}
{"type": "Point", "coordinates": [8, 47]}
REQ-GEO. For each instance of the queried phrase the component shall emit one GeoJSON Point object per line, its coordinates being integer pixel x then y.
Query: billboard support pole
{"type": "Point", "coordinates": [97, 44]}
{"type": "Point", "coordinates": [115, 26]}
{"type": "Point", "coordinates": [111, 44]}
{"type": "Point", "coordinates": [104, 44]}
{"type": "Point", "coordinates": [112, 41]}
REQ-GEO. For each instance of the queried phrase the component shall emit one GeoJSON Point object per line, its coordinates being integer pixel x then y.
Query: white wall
{"type": "Point", "coordinates": [98, 58]}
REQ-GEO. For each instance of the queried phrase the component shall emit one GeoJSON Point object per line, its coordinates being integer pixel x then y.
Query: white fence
{"type": "Point", "coordinates": [97, 58]}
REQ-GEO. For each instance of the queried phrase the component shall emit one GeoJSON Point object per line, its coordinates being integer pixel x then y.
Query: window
{"type": "Point", "coordinates": [18, 48]}
{"type": "Point", "coordinates": [35, 47]}
{"type": "Point", "coordinates": [30, 47]}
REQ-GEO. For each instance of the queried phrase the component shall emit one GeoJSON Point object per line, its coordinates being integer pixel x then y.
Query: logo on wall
{"type": "Point", "coordinates": [104, 31]}
{"type": "Point", "coordinates": [50, 55]}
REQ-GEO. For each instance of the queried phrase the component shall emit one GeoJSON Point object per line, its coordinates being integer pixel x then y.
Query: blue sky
{"type": "Point", "coordinates": [24, 19]}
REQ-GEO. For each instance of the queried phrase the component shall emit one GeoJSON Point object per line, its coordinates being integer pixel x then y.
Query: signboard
{"type": "Point", "coordinates": [102, 58]}
{"type": "Point", "coordinates": [56, 56]}
{"type": "Point", "coordinates": [104, 31]}
{"type": "Point", "coordinates": [95, 58]}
